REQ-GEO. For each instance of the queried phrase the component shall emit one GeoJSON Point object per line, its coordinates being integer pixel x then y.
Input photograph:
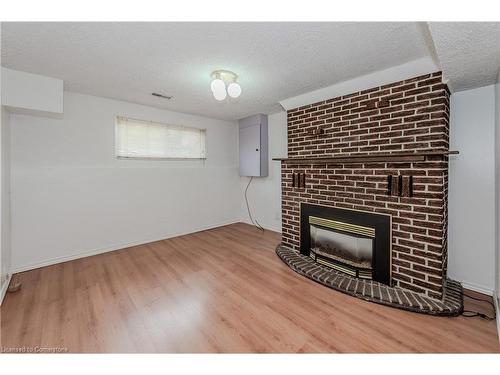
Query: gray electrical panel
{"type": "Point", "coordinates": [254, 160]}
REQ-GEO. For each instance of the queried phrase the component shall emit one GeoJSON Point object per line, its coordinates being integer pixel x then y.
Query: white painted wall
{"type": "Point", "coordinates": [32, 93]}
{"type": "Point", "coordinates": [5, 249]}
{"type": "Point", "coordinates": [497, 200]}
{"type": "Point", "coordinates": [1, 180]}
{"type": "Point", "coordinates": [71, 197]}
{"type": "Point", "coordinates": [472, 227]}
{"type": "Point", "coordinates": [264, 194]}
{"type": "Point", "coordinates": [5, 245]}
{"type": "Point", "coordinates": [497, 190]}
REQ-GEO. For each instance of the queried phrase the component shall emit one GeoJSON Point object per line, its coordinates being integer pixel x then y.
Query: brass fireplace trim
{"type": "Point", "coordinates": [337, 266]}
{"type": "Point", "coordinates": [345, 227]}
{"type": "Point", "coordinates": [365, 211]}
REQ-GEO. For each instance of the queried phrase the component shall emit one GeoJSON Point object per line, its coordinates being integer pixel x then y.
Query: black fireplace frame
{"type": "Point", "coordinates": [382, 224]}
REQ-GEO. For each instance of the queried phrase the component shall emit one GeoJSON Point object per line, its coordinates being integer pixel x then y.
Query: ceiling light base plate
{"type": "Point", "coordinates": [226, 75]}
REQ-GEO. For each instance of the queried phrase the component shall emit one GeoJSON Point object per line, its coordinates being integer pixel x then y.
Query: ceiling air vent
{"type": "Point", "coordinates": [162, 96]}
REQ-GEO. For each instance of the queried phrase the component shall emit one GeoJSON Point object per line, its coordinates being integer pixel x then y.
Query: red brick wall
{"type": "Point", "coordinates": [410, 115]}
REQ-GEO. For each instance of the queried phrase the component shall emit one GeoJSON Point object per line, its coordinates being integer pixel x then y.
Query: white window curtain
{"type": "Point", "coordinates": [146, 139]}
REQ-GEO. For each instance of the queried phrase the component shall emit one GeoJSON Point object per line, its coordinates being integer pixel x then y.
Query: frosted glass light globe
{"type": "Point", "coordinates": [220, 93]}
{"type": "Point", "coordinates": [217, 85]}
{"type": "Point", "coordinates": [234, 90]}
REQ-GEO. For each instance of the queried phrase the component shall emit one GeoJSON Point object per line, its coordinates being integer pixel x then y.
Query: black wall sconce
{"type": "Point", "coordinates": [299, 180]}
{"type": "Point", "coordinates": [400, 186]}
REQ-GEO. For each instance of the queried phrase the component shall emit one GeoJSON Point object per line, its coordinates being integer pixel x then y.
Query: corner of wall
{"type": "Point", "coordinates": [497, 192]}
{"type": "Point", "coordinates": [5, 256]}
{"type": "Point", "coordinates": [5, 245]}
{"type": "Point", "coordinates": [476, 162]}
{"type": "Point", "coordinates": [496, 294]}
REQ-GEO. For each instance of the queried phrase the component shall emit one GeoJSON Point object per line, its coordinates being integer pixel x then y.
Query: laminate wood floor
{"type": "Point", "coordinates": [221, 290]}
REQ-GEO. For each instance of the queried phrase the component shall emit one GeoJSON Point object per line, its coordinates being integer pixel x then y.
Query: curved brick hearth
{"type": "Point", "coordinates": [401, 117]}
{"type": "Point", "coordinates": [451, 305]}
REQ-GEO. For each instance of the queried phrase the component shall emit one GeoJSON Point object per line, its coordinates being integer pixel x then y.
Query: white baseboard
{"type": "Point", "coordinates": [5, 286]}
{"type": "Point", "coordinates": [84, 254]}
{"type": "Point", "coordinates": [477, 288]}
{"type": "Point", "coordinates": [497, 312]}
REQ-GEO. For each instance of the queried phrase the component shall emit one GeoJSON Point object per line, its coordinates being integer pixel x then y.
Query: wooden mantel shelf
{"type": "Point", "coordinates": [400, 157]}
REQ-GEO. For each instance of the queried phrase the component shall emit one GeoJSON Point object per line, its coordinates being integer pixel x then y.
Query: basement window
{"type": "Point", "coordinates": [139, 139]}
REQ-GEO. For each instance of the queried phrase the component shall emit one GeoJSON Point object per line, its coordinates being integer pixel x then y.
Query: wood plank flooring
{"type": "Point", "coordinates": [221, 290]}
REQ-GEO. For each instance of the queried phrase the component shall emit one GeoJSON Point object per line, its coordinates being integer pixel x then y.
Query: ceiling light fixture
{"type": "Point", "coordinates": [224, 84]}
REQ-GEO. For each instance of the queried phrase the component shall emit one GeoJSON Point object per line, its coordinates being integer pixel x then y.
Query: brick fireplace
{"type": "Point", "coordinates": [388, 147]}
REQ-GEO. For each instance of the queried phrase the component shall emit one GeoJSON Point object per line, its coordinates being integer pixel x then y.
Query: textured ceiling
{"type": "Point", "coordinates": [275, 61]}
{"type": "Point", "coordinates": [469, 52]}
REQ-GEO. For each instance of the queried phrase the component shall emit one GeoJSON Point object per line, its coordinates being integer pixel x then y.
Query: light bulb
{"type": "Point", "coordinates": [219, 89]}
{"type": "Point", "coordinates": [217, 84]}
{"type": "Point", "coordinates": [220, 94]}
{"type": "Point", "coordinates": [234, 90]}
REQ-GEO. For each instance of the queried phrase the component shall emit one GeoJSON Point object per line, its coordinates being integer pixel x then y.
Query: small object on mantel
{"type": "Point", "coordinates": [15, 284]}
{"type": "Point", "coordinates": [299, 180]}
{"type": "Point", "coordinates": [400, 186]}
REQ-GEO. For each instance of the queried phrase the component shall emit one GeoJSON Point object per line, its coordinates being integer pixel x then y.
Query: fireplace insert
{"type": "Point", "coordinates": [357, 243]}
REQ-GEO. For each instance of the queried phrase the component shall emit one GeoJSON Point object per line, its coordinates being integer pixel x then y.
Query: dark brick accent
{"type": "Point", "coordinates": [414, 116]}
{"type": "Point", "coordinates": [451, 304]}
